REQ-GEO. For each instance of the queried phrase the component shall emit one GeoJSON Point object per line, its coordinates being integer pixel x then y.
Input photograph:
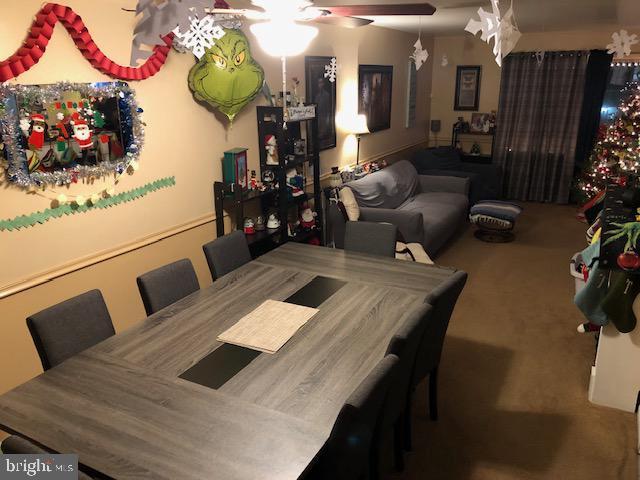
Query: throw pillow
{"type": "Point", "coordinates": [349, 201]}
{"type": "Point", "coordinates": [412, 252]}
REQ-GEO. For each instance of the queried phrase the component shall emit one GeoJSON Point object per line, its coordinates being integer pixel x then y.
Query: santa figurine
{"type": "Point", "coordinates": [81, 133]}
{"type": "Point", "coordinates": [271, 146]}
{"type": "Point", "coordinates": [36, 139]}
{"type": "Point", "coordinates": [307, 217]}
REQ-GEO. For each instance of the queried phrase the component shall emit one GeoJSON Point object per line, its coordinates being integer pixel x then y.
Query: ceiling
{"type": "Point", "coordinates": [532, 15]}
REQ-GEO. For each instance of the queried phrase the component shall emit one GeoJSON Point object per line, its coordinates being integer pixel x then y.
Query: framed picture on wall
{"type": "Point", "coordinates": [322, 92]}
{"type": "Point", "coordinates": [467, 88]}
{"type": "Point", "coordinates": [374, 95]}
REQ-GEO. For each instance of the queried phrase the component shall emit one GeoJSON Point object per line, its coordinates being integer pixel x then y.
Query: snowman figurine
{"type": "Point", "coordinates": [307, 217]}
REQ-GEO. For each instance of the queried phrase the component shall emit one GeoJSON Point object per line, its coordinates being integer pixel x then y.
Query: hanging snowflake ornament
{"type": "Point", "coordinates": [157, 18]}
{"type": "Point", "coordinates": [621, 43]}
{"type": "Point", "coordinates": [503, 31]}
{"type": "Point", "coordinates": [509, 32]}
{"type": "Point", "coordinates": [331, 70]}
{"type": "Point", "coordinates": [540, 57]}
{"type": "Point", "coordinates": [200, 35]}
{"type": "Point", "coordinates": [445, 60]}
{"type": "Point", "coordinates": [419, 55]}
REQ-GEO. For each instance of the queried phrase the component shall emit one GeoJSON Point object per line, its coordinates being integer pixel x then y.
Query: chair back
{"type": "Point", "coordinates": [404, 345]}
{"type": "Point", "coordinates": [372, 238]}
{"type": "Point", "coordinates": [443, 299]}
{"type": "Point", "coordinates": [63, 330]}
{"type": "Point", "coordinates": [346, 453]}
{"type": "Point", "coordinates": [163, 286]}
{"type": "Point", "coordinates": [227, 253]}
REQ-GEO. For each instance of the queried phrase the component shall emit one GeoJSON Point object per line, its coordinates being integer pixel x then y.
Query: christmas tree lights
{"type": "Point", "coordinates": [616, 154]}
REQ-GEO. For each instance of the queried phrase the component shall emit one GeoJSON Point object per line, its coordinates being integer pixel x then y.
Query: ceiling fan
{"type": "Point", "coordinates": [281, 20]}
{"type": "Point", "coordinates": [340, 15]}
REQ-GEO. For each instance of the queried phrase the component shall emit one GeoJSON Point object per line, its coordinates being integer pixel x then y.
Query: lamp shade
{"type": "Point", "coordinates": [283, 38]}
{"type": "Point", "coordinates": [360, 126]}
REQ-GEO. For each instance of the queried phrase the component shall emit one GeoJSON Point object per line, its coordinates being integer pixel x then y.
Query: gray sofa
{"type": "Point", "coordinates": [486, 180]}
{"type": "Point", "coordinates": [426, 209]}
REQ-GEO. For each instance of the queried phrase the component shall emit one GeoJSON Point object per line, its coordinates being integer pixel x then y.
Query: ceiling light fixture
{"type": "Point", "coordinates": [280, 35]}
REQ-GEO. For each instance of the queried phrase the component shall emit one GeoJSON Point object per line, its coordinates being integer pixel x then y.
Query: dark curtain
{"type": "Point", "coordinates": [538, 122]}
{"type": "Point", "coordinates": [597, 79]}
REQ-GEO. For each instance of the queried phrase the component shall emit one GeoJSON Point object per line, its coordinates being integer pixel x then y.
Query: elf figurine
{"type": "Point", "coordinates": [36, 139]}
{"type": "Point", "coordinates": [103, 147]}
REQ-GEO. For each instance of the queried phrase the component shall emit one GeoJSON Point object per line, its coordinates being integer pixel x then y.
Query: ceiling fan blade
{"type": "Point", "coordinates": [338, 21]}
{"type": "Point", "coordinates": [381, 9]}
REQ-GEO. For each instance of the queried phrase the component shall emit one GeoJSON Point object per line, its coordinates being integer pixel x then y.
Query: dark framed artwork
{"type": "Point", "coordinates": [467, 88]}
{"type": "Point", "coordinates": [321, 91]}
{"type": "Point", "coordinates": [375, 84]}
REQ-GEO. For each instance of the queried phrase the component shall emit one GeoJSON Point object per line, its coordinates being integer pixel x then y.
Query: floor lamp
{"type": "Point", "coordinates": [359, 129]}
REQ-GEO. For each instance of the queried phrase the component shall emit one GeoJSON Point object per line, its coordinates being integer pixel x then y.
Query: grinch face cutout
{"type": "Point", "coordinates": [227, 77]}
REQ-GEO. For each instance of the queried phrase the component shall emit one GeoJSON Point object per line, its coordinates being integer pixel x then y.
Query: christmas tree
{"type": "Point", "coordinates": [616, 154]}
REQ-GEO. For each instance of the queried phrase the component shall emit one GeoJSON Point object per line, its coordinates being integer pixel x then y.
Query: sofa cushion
{"type": "Point", "coordinates": [438, 158]}
{"type": "Point", "coordinates": [446, 200]}
{"type": "Point", "coordinates": [350, 205]}
{"type": "Point", "coordinates": [387, 188]}
{"type": "Point", "coordinates": [442, 215]}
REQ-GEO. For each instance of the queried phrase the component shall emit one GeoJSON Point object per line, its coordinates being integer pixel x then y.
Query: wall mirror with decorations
{"type": "Point", "coordinates": [61, 133]}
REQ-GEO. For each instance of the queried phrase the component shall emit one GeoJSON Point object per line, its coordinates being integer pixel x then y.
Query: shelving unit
{"type": "Point", "coordinates": [271, 121]}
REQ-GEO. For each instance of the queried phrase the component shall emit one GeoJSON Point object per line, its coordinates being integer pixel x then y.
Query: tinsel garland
{"type": "Point", "coordinates": [130, 118]}
{"type": "Point", "coordinates": [25, 221]}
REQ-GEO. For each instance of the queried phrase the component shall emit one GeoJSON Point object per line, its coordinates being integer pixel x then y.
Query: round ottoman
{"type": "Point", "coordinates": [494, 220]}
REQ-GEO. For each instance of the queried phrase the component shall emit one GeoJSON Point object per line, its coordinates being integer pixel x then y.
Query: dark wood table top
{"type": "Point", "coordinates": [357, 267]}
{"type": "Point", "coordinates": [122, 407]}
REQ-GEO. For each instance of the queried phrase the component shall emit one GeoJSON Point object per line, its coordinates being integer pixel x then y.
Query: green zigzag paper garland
{"type": "Point", "coordinates": [25, 221]}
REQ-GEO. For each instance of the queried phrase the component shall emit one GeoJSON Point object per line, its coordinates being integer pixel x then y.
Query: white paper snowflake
{"type": "Point", "coordinates": [502, 30]}
{"type": "Point", "coordinates": [622, 42]}
{"type": "Point", "coordinates": [419, 55]}
{"type": "Point", "coordinates": [445, 60]}
{"type": "Point", "coordinates": [331, 70]}
{"type": "Point", "coordinates": [200, 36]}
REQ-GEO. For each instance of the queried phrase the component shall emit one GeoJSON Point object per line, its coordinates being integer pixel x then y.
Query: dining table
{"type": "Point", "coordinates": [165, 399]}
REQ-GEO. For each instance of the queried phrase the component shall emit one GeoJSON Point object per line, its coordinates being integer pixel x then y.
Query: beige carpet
{"type": "Point", "coordinates": [514, 373]}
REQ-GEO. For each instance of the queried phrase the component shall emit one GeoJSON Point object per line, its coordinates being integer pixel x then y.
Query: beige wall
{"type": "Point", "coordinates": [468, 50]}
{"type": "Point", "coordinates": [182, 139]}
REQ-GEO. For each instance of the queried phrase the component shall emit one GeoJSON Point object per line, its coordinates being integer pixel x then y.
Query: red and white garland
{"type": "Point", "coordinates": [40, 34]}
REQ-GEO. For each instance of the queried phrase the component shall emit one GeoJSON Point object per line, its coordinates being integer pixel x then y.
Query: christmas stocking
{"type": "Point", "coordinates": [618, 304]}
{"type": "Point", "coordinates": [590, 298]}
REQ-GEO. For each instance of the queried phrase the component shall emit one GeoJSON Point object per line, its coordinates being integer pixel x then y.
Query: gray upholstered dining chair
{"type": "Point", "coordinates": [346, 455]}
{"type": "Point", "coordinates": [227, 253]}
{"type": "Point", "coordinates": [21, 446]}
{"type": "Point", "coordinates": [63, 330]}
{"type": "Point", "coordinates": [163, 286]}
{"type": "Point", "coordinates": [404, 344]}
{"type": "Point", "coordinates": [443, 299]}
{"type": "Point", "coordinates": [372, 238]}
